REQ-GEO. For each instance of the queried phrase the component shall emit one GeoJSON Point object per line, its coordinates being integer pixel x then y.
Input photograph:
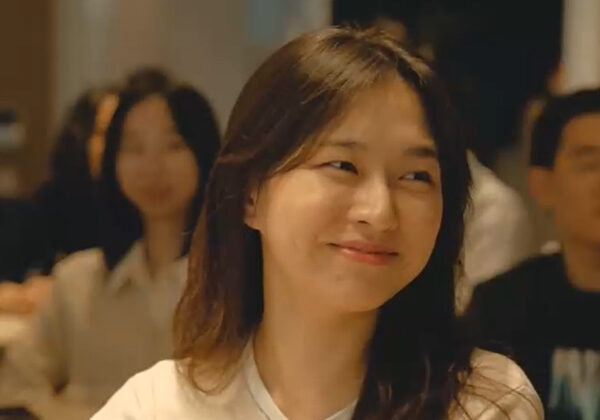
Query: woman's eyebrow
{"type": "Point", "coordinates": [418, 150]}
{"type": "Point", "coordinates": [421, 151]}
{"type": "Point", "coordinates": [345, 144]}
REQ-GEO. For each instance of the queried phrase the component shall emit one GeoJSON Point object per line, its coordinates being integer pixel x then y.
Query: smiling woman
{"type": "Point", "coordinates": [322, 275]}
{"type": "Point", "coordinates": [366, 212]}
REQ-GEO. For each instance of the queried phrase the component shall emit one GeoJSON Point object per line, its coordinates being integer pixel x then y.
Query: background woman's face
{"type": "Point", "coordinates": [156, 169]}
{"type": "Point", "coordinates": [357, 221]}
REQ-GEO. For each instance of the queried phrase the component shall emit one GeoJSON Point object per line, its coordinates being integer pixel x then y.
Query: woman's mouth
{"type": "Point", "coordinates": [366, 252]}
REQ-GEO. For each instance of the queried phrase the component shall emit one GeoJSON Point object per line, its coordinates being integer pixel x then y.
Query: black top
{"type": "Point", "coordinates": [36, 233]}
{"type": "Point", "coordinates": [534, 314]}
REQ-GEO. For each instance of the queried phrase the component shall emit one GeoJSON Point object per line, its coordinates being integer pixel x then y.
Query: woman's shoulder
{"type": "Point", "coordinates": [162, 379]}
{"type": "Point", "coordinates": [497, 388]}
{"type": "Point", "coordinates": [163, 392]}
{"type": "Point", "coordinates": [80, 262]}
{"type": "Point", "coordinates": [498, 367]}
{"type": "Point", "coordinates": [80, 272]}
{"type": "Point", "coordinates": [139, 397]}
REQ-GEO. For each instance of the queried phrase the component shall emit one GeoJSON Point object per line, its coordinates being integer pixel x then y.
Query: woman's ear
{"type": "Point", "coordinates": [250, 208]}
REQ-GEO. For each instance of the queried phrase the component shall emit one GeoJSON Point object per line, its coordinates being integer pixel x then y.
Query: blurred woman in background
{"type": "Point", "coordinates": [63, 215]}
{"type": "Point", "coordinates": [110, 312]}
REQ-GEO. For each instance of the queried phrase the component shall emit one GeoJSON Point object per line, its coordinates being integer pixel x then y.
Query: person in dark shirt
{"type": "Point", "coordinates": [545, 312]}
{"type": "Point", "coordinates": [61, 216]}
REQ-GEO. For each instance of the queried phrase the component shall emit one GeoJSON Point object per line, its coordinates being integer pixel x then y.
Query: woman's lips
{"type": "Point", "coordinates": [367, 253]}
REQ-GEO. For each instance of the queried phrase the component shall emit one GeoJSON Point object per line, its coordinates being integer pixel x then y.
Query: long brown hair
{"type": "Point", "coordinates": [413, 367]}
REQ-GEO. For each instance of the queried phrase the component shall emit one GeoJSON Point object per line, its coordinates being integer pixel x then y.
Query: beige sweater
{"type": "Point", "coordinates": [96, 331]}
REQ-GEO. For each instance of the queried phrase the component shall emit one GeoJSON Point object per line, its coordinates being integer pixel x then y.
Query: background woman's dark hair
{"type": "Point", "coordinates": [62, 215]}
{"type": "Point", "coordinates": [195, 121]}
{"type": "Point", "coordinates": [69, 160]}
{"type": "Point", "coordinates": [146, 79]}
{"type": "Point", "coordinates": [416, 356]}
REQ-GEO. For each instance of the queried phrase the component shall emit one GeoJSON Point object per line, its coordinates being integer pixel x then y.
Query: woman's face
{"type": "Point", "coordinates": [357, 221]}
{"type": "Point", "coordinates": [156, 169]}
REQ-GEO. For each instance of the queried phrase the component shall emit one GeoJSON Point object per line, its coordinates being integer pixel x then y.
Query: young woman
{"type": "Point", "coordinates": [111, 309]}
{"type": "Point", "coordinates": [322, 275]}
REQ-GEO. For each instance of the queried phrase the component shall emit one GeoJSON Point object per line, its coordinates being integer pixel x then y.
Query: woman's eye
{"type": "Point", "coordinates": [419, 176]}
{"type": "Point", "coordinates": [343, 166]}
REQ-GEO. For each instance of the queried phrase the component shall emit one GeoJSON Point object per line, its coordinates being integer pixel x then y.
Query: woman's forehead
{"type": "Point", "coordinates": [391, 110]}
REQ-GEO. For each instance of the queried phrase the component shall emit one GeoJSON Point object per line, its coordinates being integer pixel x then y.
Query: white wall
{"type": "Point", "coordinates": [581, 44]}
{"type": "Point", "coordinates": [213, 44]}
{"type": "Point", "coordinates": [99, 41]}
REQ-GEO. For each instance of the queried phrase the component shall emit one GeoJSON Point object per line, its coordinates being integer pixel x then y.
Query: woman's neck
{"type": "Point", "coordinates": [313, 364]}
{"type": "Point", "coordinates": [582, 263]}
{"type": "Point", "coordinates": [163, 240]}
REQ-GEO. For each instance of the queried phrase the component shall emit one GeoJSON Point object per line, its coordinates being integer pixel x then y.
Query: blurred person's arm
{"type": "Point", "coordinates": [498, 232]}
{"type": "Point", "coordinates": [14, 299]}
{"type": "Point", "coordinates": [498, 229]}
{"type": "Point", "coordinates": [33, 367]}
{"type": "Point", "coordinates": [38, 290]}
{"type": "Point", "coordinates": [496, 240]}
{"type": "Point", "coordinates": [26, 298]}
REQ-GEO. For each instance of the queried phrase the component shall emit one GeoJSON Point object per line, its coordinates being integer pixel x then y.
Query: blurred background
{"type": "Point", "coordinates": [55, 49]}
{"type": "Point", "coordinates": [500, 59]}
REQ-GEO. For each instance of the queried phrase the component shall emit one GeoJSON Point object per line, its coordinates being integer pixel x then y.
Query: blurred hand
{"type": "Point", "coordinates": [26, 298]}
{"type": "Point", "coordinates": [13, 299]}
{"type": "Point", "coordinates": [38, 289]}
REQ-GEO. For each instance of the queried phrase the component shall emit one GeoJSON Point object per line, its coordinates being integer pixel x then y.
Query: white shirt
{"type": "Point", "coordinates": [498, 230]}
{"type": "Point", "coordinates": [98, 329]}
{"type": "Point", "coordinates": [161, 393]}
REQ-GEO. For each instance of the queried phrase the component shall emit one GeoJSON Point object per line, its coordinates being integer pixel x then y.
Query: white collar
{"type": "Point", "coordinates": [263, 399]}
{"type": "Point", "coordinates": [133, 270]}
